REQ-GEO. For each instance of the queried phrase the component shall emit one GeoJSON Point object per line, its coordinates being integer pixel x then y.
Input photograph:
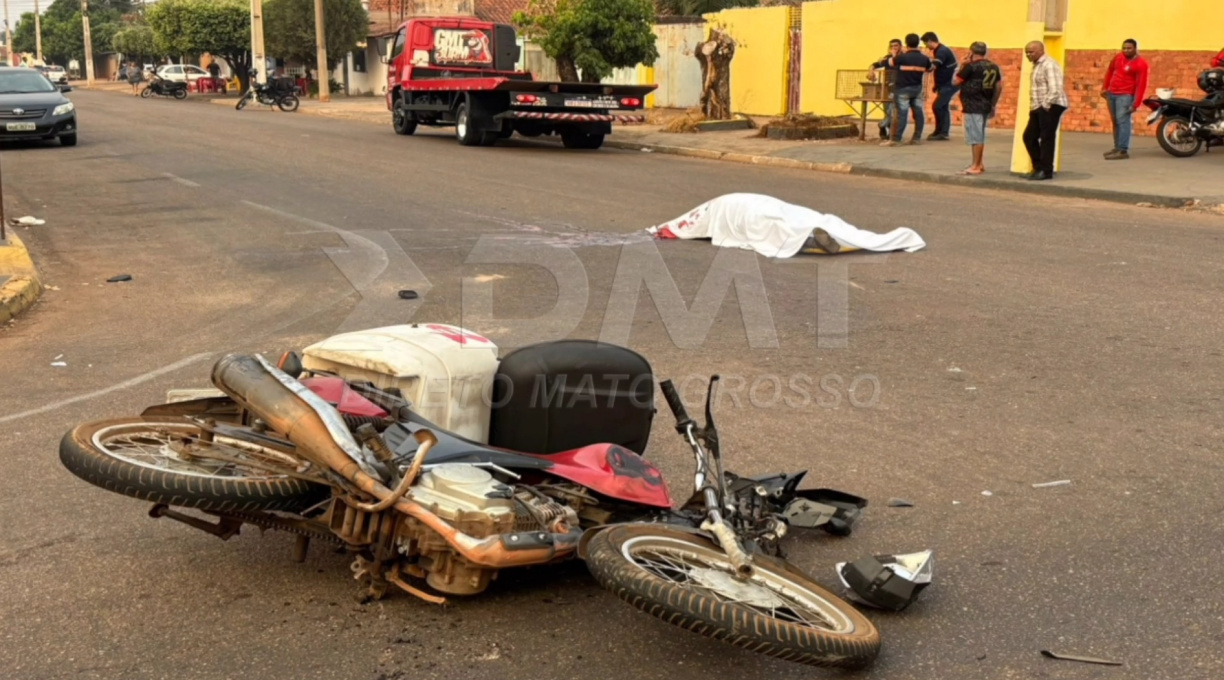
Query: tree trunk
{"type": "Point", "coordinates": [588, 77]}
{"type": "Point", "coordinates": [240, 63]}
{"type": "Point", "coordinates": [566, 70]}
{"type": "Point", "coordinates": [715, 56]}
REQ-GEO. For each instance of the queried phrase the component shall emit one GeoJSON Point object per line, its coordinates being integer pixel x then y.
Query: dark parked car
{"type": "Point", "coordinates": [31, 107]}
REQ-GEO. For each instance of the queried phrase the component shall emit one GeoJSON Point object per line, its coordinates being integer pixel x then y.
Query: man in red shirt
{"type": "Point", "coordinates": [1125, 83]}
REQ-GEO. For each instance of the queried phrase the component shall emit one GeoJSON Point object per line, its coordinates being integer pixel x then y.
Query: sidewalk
{"type": "Point", "coordinates": [1150, 176]}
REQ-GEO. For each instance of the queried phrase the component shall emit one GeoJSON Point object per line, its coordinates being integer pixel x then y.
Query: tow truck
{"type": "Point", "coordinates": [462, 72]}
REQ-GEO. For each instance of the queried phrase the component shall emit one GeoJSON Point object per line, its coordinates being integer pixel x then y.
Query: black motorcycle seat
{"type": "Point", "coordinates": [1195, 103]}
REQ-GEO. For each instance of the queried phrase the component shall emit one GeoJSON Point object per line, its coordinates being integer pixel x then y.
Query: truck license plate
{"type": "Point", "coordinates": [584, 103]}
{"type": "Point", "coordinates": [20, 127]}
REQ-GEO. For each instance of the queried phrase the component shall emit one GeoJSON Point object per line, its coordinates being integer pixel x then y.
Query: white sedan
{"type": "Point", "coordinates": [182, 72]}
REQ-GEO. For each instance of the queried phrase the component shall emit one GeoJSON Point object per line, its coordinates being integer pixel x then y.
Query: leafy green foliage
{"type": "Point", "coordinates": [289, 27]}
{"type": "Point", "coordinates": [137, 42]}
{"type": "Point", "coordinates": [63, 34]}
{"type": "Point", "coordinates": [596, 36]}
{"type": "Point", "coordinates": [190, 27]}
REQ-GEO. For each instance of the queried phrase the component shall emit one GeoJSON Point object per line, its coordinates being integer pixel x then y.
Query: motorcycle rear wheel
{"type": "Point", "coordinates": [141, 458]}
{"type": "Point", "coordinates": [180, 93]}
{"type": "Point", "coordinates": [687, 581]}
{"type": "Point", "coordinates": [288, 103]}
{"type": "Point", "coordinates": [1171, 146]}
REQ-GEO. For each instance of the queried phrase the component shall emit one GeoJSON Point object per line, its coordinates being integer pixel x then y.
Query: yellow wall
{"type": "Point", "coordinates": [851, 34]}
{"type": "Point", "coordinates": [1188, 25]}
{"type": "Point", "coordinates": [758, 71]}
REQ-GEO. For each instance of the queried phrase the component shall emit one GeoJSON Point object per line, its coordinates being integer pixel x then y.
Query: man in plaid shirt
{"type": "Point", "coordinates": [1048, 103]}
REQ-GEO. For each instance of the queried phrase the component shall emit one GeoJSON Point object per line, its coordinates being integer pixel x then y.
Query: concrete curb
{"type": "Point", "coordinates": [24, 287]}
{"type": "Point", "coordinates": [1045, 188]}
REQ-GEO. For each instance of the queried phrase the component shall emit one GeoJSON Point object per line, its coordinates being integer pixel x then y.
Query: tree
{"type": "Point", "coordinates": [137, 42]}
{"type": "Point", "coordinates": [715, 55]}
{"type": "Point", "coordinates": [290, 29]}
{"type": "Point", "coordinates": [219, 27]}
{"type": "Point", "coordinates": [594, 36]}
{"type": "Point", "coordinates": [63, 32]}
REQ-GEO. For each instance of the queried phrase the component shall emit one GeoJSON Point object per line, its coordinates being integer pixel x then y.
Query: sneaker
{"type": "Point", "coordinates": [1119, 156]}
{"type": "Point", "coordinates": [914, 142]}
{"type": "Point", "coordinates": [936, 137]}
{"type": "Point", "coordinates": [888, 143]}
{"type": "Point", "coordinates": [825, 241]}
{"type": "Point", "coordinates": [1110, 154]}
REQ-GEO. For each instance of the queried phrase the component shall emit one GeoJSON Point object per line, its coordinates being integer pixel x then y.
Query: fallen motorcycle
{"type": "Point", "coordinates": [327, 445]}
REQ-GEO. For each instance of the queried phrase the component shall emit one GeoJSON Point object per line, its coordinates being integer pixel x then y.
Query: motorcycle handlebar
{"type": "Point", "coordinates": [677, 406]}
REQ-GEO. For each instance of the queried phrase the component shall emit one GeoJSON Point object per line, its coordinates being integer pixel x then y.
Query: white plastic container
{"type": "Point", "coordinates": [446, 372]}
{"type": "Point", "coordinates": [1165, 92]}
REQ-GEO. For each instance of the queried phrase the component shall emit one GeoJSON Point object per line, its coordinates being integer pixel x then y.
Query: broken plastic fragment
{"type": "Point", "coordinates": [899, 503]}
{"type": "Point", "coordinates": [408, 294]}
{"type": "Point", "coordinates": [121, 277]}
{"type": "Point", "coordinates": [27, 221]}
{"type": "Point", "coordinates": [890, 582]}
{"type": "Point", "coordinates": [1045, 485]}
{"type": "Point", "coordinates": [1049, 654]}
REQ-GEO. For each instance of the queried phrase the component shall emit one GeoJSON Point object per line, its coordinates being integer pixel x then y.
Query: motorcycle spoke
{"type": "Point", "coordinates": [183, 452]}
{"type": "Point", "coordinates": [765, 593]}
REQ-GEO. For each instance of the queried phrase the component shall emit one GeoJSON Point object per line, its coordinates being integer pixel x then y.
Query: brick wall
{"type": "Point", "coordinates": [1085, 71]}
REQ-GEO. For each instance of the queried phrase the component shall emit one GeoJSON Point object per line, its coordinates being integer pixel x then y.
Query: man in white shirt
{"type": "Point", "coordinates": [1047, 105]}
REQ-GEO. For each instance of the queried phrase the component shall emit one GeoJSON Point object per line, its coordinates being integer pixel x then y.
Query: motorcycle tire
{"type": "Point", "coordinates": [180, 93]}
{"type": "Point", "coordinates": [146, 93]}
{"type": "Point", "coordinates": [1162, 137]}
{"type": "Point", "coordinates": [89, 452]}
{"type": "Point", "coordinates": [288, 103]}
{"type": "Point", "coordinates": [242, 102]}
{"type": "Point", "coordinates": [849, 641]}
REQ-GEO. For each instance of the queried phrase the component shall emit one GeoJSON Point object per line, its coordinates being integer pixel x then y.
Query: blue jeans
{"type": "Point", "coordinates": [942, 109]}
{"type": "Point", "coordinates": [905, 99]}
{"type": "Point", "coordinates": [1120, 106]}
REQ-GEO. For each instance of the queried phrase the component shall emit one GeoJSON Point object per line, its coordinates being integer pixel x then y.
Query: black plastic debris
{"type": "Point", "coordinates": [121, 277]}
{"type": "Point", "coordinates": [899, 503]}
{"type": "Point", "coordinates": [1082, 659]}
{"type": "Point", "coordinates": [408, 294]}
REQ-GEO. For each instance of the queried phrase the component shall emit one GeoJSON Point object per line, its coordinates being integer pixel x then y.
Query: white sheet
{"type": "Point", "coordinates": [775, 228]}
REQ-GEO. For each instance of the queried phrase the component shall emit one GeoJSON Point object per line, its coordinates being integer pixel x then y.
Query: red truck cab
{"type": "Point", "coordinates": [463, 72]}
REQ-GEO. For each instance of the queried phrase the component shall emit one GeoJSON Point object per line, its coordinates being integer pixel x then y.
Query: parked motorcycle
{"type": "Point", "coordinates": [1187, 125]}
{"type": "Point", "coordinates": [338, 459]}
{"type": "Point", "coordinates": [268, 95]}
{"type": "Point", "coordinates": [164, 88]}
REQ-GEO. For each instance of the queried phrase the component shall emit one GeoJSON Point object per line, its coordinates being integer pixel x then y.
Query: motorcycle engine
{"type": "Point", "coordinates": [472, 501]}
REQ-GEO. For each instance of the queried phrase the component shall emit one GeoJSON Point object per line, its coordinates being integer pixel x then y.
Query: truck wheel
{"type": "Point", "coordinates": [575, 139]}
{"type": "Point", "coordinates": [402, 121]}
{"type": "Point", "coordinates": [468, 133]}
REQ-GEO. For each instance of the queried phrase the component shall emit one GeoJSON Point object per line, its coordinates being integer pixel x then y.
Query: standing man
{"type": "Point", "coordinates": [943, 61]}
{"type": "Point", "coordinates": [890, 81]}
{"type": "Point", "coordinates": [1047, 105]}
{"type": "Point", "coordinates": [980, 83]}
{"type": "Point", "coordinates": [1125, 83]}
{"type": "Point", "coordinates": [912, 66]}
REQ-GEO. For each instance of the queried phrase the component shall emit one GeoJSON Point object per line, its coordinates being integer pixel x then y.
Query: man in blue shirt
{"type": "Point", "coordinates": [943, 62]}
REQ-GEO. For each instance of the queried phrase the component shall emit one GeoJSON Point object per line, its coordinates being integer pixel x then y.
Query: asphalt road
{"type": "Point", "coordinates": [1032, 341]}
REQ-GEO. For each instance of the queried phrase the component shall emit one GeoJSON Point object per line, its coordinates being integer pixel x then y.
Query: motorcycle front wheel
{"type": "Point", "coordinates": [688, 581]}
{"type": "Point", "coordinates": [288, 103]}
{"type": "Point", "coordinates": [243, 101]}
{"type": "Point", "coordinates": [167, 460]}
{"type": "Point", "coordinates": [146, 93]}
{"type": "Point", "coordinates": [1176, 137]}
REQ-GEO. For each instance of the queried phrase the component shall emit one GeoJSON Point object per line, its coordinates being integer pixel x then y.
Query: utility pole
{"type": "Point", "coordinates": [37, 33]}
{"type": "Point", "coordinates": [8, 35]}
{"type": "Point", "coordinates": [89, 69]}
{"type": "Point", "coordinates": [321, 42]}
{"type": "Point", "coordinates": [258, 59]}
